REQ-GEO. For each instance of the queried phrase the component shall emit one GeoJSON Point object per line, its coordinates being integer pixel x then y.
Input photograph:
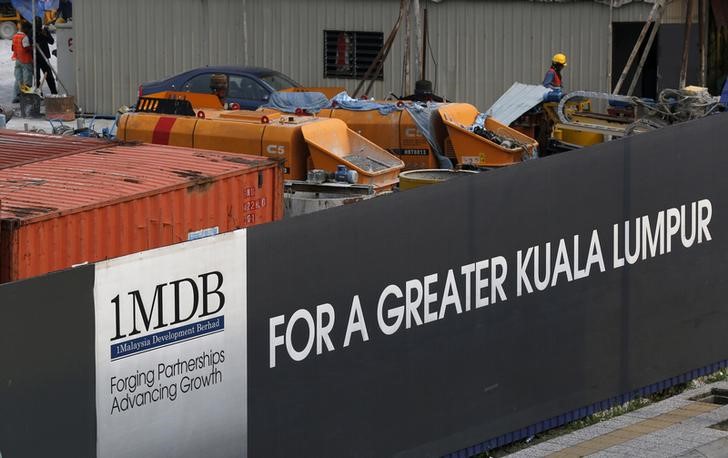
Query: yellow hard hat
{"type": "Point", "coordinates": [559, 59]}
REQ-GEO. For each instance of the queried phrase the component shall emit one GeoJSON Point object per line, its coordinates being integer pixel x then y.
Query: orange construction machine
{"type": "Point", "coordinates": [445, 137]}
{"type": "Point", "coordinates": [302, 143]}
{"type": "Point", "coordinates": [451, 136]}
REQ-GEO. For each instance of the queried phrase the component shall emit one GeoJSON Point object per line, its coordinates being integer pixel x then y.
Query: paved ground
{"type": "Point", "coordinates": [7, 72]}
{"type": "Point", "coordinates": [676, 426]}
{"type": "Point", "coordinates": [44, 126]}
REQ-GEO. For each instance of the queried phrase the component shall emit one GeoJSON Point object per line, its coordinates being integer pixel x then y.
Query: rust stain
{"type": "Point", "coordinates": [23, 212]}
{"type": "Point", "coordinates": [241, 160]}
{"type": "Point", "coordinates": [29, 182]}
{"type": "Point", "coordinates": [189, 174]}
{"type": "Point", "coordinates": [201, 185]}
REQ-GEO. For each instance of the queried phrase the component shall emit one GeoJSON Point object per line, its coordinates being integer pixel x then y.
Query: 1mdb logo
{"type": "Point", "coordinates": [182, 300]}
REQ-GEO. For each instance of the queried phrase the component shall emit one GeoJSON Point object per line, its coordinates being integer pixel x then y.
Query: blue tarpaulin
{"type": "Point", "coordinates": [288, 102]}
{"type": "Point", "coordinates": [313, 102]}
{"type": "Point", "coordinates": [343, 100]}
{"type": "Point", "coordinates": [422, 114]}
{"type": "Point", "coordinates": [25, 7]}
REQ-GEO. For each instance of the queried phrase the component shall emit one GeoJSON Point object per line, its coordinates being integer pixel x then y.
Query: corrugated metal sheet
{"type": "Point", "coordinates": [480, 47]}
{"type": "Point", "coordinates": [18, 148]}
{"type": "Point", "coordinates": [674, 13]}
{"type": "Point", "coordinates": [481, 52]}
{"type": "Point", "coordinates": [108, 174]}
{"type": "Point", "coordinates": [517, 100]}
{"type": "Point", "coordinates": [286, 35]}
{"type": "Point", "coordinates": [117, 200]}
{"type": "Point", "coordinates": [632, 13]}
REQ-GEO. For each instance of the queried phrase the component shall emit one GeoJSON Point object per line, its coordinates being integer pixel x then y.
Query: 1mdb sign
{"type": "Point", "coordinates": [190, 301]}
{"type": "Point", "coordinates": [171, 363]}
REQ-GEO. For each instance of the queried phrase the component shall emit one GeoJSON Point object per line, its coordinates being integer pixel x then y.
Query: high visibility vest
{"type": "Point", "coordinates": [557, 79]}
{"type": "Point", "coordinates": [21, 54]}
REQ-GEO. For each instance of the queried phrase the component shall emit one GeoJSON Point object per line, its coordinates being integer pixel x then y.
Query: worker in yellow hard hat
{"type": "Point", "coordinates": [553, 79]}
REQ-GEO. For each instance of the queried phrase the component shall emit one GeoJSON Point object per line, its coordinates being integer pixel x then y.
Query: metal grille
{"type": "Point", "coordinates": [349, 54]}
{"type": "Point", "coordinates": [164, 106]}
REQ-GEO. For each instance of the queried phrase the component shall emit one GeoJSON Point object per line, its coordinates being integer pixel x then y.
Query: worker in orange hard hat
{"type": "Point", "coordinates": [553, 79]}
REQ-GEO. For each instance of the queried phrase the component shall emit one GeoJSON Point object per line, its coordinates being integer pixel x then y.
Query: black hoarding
{"type": "Point", "coordinates": [47, 360]}
{"type": "Point", "coordinates": [450, 315]}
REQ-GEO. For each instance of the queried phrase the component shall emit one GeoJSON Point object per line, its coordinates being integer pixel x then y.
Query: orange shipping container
{"type": "Point", "coordinates": [120, 199]}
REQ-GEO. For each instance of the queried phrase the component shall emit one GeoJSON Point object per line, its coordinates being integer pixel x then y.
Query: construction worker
{"type": "Point", "coordinates": [44, 40]}
{"type": "Point", "coordinates": [219, 86]}
{"type": "Point", "coordinates": [553, 79]}
{"type": "Point", "coordinates": [23, 57]}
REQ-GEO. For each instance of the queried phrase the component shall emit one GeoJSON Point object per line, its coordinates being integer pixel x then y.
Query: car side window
{"type": "Point", "coordinates": [242, 87]}
{"type": "Point", "coordinates": [199, 83]}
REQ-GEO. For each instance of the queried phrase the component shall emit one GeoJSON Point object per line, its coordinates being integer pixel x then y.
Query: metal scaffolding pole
{"type": "Point", "coordinates": [686, 44]}
{"type": "Point", "coordinates": [659, 4]}
{"type": "Point", "coordinates": [35, 70]}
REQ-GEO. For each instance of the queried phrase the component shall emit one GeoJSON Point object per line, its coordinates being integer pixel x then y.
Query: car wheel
{"type": "Point", "coordinates": [7, 30]}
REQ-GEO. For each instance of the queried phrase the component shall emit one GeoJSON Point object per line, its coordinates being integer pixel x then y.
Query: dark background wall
{"type": "Point", "coordinates": [446, 385]}
{"type": "Point", "coordinates": [47, 405]}
{"type": "Point", "coordinates": [662, 66]}
{"type": "Point", "coordinates": [670, 46]}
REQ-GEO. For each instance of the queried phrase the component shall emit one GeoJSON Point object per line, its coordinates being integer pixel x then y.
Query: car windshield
{"type": "Point", "coordinates": [278, 81]}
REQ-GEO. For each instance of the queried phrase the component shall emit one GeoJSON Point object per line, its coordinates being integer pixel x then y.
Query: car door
{"type": "Point", "coordinates": [246, 91]}
{"type": "Point", "coordinates": [199, 83]}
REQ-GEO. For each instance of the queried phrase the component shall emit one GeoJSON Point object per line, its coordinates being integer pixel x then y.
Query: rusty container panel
{"type": "Point", "coordinates": [17, 148]}
{"type": "Point", "coordinates": [118, 200]}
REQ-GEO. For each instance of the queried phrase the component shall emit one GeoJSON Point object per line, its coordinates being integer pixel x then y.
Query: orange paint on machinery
{"type": "Point", "coordinates": [327, 91]}
{"type": "Point", "coordinates": [475, 150]}
{"type": "Point", "coordinates": [301, 142]}
{"type": "Point", "coordinates": [397, 132]}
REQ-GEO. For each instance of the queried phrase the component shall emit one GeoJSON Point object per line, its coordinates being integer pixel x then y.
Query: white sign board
{"type": "Point", "coordinates": [171, 356]}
